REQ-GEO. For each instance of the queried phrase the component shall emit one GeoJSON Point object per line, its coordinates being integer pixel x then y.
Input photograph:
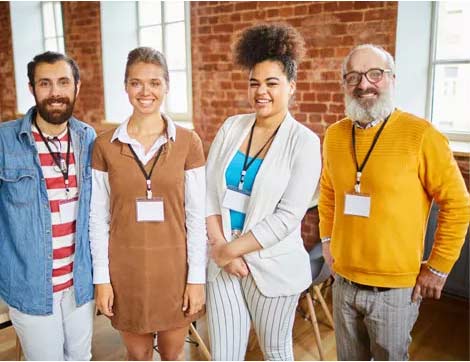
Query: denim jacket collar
{"type": "Point", "coordinates": [26, 125]}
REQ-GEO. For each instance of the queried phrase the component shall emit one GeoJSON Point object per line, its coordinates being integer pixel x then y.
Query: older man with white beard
{"type": "Point", "coordinates": [382, 168]}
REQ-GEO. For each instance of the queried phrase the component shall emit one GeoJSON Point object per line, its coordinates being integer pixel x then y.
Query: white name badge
{"type": "Point", "coordinates": [357, 205]}
{"type": "Point", "coordinates": [236, 200]}
{"type": "Point", "coordinates": [68, 210]}
{"type": "Point", "coordinates": [150, 210]}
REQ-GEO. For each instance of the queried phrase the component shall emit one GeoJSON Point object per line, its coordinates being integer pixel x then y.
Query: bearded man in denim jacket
{"type": "Point", "coordinates": [45, 187]}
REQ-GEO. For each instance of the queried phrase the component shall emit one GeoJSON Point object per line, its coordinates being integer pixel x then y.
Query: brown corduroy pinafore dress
{"type": "Point", "coordinates": [148, 261]}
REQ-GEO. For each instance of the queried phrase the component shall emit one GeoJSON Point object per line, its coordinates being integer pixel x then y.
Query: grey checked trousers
{"type": "Point", "coordinates": [371, 324]}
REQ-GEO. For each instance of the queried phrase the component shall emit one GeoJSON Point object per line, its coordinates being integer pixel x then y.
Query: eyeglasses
{"type": "Point", "coordinates": [373, 75]}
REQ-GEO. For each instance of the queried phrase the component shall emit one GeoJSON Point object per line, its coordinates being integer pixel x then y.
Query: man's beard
{"type": "Point", "coordinates": [55, 116]}
{"type": "Point", "coordinates": [380, 109]}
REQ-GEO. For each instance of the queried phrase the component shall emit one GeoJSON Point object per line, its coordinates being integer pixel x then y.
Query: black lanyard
{"type": "Point", "coordinates": [142, 168]}
{"type": "Point", "coordinates": [62, 164]}
{"type": "Point", "coordinates": [359, 168]}
{"type": "Point", "coordinates": [246, 164]}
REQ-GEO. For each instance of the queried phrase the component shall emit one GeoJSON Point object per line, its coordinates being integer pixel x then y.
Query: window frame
{"type": "Point", "coordinates": [433, 62]}
{"type": "Point", "coordinates": [184, 119]}
{"type": "Point", "coordinates": [59, 39]}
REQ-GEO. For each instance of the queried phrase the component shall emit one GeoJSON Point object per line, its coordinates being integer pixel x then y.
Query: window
{"type": "Point", "coordinates": [53, 32]}
{"type": "Point", "coordinates": [450, 69]}
{"type": "Point", "coordinates": [36, 27]}
{"type": "Point", "coordinates": [164, 25]}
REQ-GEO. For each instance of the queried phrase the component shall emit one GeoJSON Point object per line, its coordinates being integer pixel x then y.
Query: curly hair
{"type": "Point", "coordinates": [278, 42]}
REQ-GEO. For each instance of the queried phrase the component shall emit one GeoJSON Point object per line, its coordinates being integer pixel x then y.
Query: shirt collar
{"type": "Point", "coordinates": [371, 124]}
{"type": "Point", "coordinates": [47, 136]}
{"type": "Point", "coordinates": [27, 123]}
{"type": "Point", "coordinates": [121, 132]}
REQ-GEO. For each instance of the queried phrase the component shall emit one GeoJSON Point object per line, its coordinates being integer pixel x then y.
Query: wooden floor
{"type": "Point", "coordinates": [441, 333]}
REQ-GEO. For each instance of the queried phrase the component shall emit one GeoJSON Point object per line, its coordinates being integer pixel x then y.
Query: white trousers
{"type": "Point", "coordinates": [231, 305]}
{"type": "Point", "coordinates": [63, 336]}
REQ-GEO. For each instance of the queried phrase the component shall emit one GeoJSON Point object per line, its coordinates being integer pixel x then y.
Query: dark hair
{"type": "Point", "coordinates": [147, 55]}
{"type": "Point", "coordinates": [51, 58]}
{"type": "Point", "coordinates": [277, 42]}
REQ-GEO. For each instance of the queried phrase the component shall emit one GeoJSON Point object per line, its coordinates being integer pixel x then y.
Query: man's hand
{"type": "Point", "coordinates": [237, 267]}
{"type": "Point", "coordinates": [327, 256]}
{"type": "Point", "coordinates": [220, 252]}
{"type": "Point", "coordinates": [104, 298]}
{"type": "Point", "coordinates": [428, 285]}
{"type": "Point", "coordinates": [194, 298]}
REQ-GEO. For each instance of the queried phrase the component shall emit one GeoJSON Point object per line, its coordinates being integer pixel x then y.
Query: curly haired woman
{"type": "Point", "coordinates": [262, 171]}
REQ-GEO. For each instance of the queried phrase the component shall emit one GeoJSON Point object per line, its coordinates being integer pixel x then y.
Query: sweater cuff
{"type": "Point", "coordinates": [101, 275]}
{"type": "Point", "coordinates": [436, 272]}
{"type": "Point", "coordinates": [438, 263]}
{"type": "Point", "coordinates": [326, 229]}
{"type": "Point", "coordinates": [196, 274]}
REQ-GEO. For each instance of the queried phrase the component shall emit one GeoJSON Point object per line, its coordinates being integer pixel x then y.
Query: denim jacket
{"type": "Point", "coordinates": [25, 219]}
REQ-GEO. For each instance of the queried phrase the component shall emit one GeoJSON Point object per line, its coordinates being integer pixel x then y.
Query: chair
{"type": "Point", "coordinates": [320, 273]}
{"type": "Point", "coordinates": [5, 322]}
{"type": "Point", "coordinates": [199, 342]}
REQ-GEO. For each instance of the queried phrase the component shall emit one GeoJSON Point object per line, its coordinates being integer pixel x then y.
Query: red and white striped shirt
{"type": "Point", "coordinates": [63, 228]}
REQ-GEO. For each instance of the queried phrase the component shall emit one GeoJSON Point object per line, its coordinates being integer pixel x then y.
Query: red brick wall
{"type": "Point", "coordinates": [7, 72]}
{"type": "Point", "coordinates": [330, 29]}
{"type": "Point", "coordinates": [219, 88]}
{"type": "Point", "coordinates": [82, 33]}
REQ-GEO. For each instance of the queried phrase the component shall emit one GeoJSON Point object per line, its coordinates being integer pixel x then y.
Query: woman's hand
{"type": "Point", "coordinates": [223, 253]}
{"type": "Point", "coordinates": [104, 298]}
{"type": "Point", "coordinates": [194, 298]}
{"type": "Point", "coordinates": [220, 252]}
{"type": "Point", "coordinates": [237, 267]}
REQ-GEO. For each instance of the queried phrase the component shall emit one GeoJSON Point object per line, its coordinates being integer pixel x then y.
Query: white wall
{"type": "Point", "coordinates": [118, 37]}
{"type": "Point", "coordinates": [26, 24]}
{"type": "Point", "coordinates": [412, 53]}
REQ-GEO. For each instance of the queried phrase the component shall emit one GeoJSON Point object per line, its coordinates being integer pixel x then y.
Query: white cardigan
{"type": "Point", "coordinates": [282, 191]}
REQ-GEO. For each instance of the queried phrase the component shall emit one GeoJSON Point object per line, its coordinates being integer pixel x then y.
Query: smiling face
{"type": "Point", "coordinates": [146, 87]}
{"type": "Point", "coordinates": [269, 90]}
{"type": "Point", "coordinates": [367, 101]}
{"type": "Point", "coordinates": [55, 91]}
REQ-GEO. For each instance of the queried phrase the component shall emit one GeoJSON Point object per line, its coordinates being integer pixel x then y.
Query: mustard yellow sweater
{"type": "Point", "coordinates": [410, 165]}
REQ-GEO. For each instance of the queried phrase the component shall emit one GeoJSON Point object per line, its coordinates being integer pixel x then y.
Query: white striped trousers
{"type": "Point", "coordinates": [232, 303]}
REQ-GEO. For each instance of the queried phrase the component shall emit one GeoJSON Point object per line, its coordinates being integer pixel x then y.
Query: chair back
{"type": "Point", "coordinates": [320, 269]}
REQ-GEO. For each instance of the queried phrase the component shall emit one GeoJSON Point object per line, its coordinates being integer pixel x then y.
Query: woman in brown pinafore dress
{"type": "Point", "coordinates": [147, 227]}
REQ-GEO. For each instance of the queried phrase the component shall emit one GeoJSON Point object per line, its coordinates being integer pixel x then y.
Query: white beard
{"type": "Point", "coordinates": [383, 106]}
